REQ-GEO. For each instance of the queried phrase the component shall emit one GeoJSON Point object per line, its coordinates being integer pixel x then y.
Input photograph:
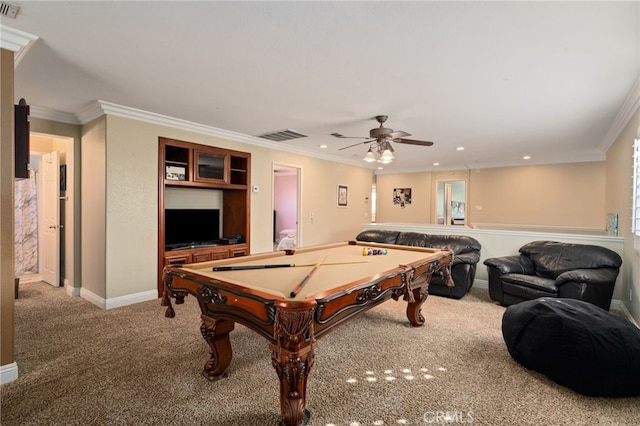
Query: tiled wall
{"type": "Point", "coordinates": [26, 226]}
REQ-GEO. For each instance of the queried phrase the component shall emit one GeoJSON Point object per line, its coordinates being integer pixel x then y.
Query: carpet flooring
{"type": "Point", "coordinates": [80, 365]}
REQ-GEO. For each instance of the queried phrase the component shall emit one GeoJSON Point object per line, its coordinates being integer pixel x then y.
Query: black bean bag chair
{"type": "Point", "coordinates": [576, 344]}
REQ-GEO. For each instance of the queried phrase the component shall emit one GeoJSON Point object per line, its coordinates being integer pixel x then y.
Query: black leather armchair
{"type": "Point", "coordinates": [466, 255]}
{"type": "Point", "coordinates": [553, 269]}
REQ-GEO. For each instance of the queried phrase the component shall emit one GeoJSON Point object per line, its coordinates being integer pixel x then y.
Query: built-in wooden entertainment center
{"type": "Point", "coordinates": [227, 176]}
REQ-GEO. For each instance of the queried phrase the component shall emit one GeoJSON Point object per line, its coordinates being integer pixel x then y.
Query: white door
{"type": "Point", "coordinates": [50, 267]}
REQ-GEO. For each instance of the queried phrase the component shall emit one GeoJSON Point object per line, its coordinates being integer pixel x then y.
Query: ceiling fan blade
{"type": "Point", "coordinates": [355, 144]}
{"type": "Point", "coordinates": [397, 134]}
{"type": "Point", "coordinates": [340, 136]}
{"type": "Point", "coordinates": [413, 142]}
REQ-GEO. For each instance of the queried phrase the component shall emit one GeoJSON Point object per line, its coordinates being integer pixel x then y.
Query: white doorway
{"type": "Point", "coordinates": [52, 165]}
{"type": "Point", "coordinates": [286, 207]}
{"type": "Point", "coordinates": [451, 204]}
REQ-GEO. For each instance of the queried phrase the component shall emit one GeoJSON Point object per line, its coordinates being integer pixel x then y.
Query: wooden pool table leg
{"type": "Point", "coordinates": [414, 308]}
{"type": "Point", "coordinates": [216, 334]}
{"type": "Point", "coordinates": [293, 370]}
{"type": "Point", "coordinates": [292, 356]}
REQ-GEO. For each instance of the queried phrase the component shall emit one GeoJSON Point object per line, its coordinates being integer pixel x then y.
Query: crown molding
{"type": "Point", "coordinates": [53, 115]}
{"type": "Point", "coordinates": [100, 108]}
{"type": "Point", "coordinates": [90, 113]}
{"type": "Point", "coordinates": [588, 158]}
{"type": "Point", "coordinates": [16, 41]}
{"type": "Point", "coordinates": [628, 109]}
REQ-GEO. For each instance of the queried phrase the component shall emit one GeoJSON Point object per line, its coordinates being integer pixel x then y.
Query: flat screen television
{"type": "Point", "coordinates": [191, 227]}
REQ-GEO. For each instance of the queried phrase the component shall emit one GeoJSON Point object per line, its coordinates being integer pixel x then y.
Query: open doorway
{"type": "Point", "coordinates": [42, 209]}
{"type": "Point", "coordinates": [451, 202]}
{"type": "Point", "coordinates": [286, 207]}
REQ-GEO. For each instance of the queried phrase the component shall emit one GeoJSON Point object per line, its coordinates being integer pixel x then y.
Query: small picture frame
{"type": "Point", "coordinates": [343, 195]}
{"type": "Point", "coordinates": [175, 173]}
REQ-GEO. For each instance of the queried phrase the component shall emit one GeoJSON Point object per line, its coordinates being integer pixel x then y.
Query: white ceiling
{"type": "Point", "coordinates": [501, 79]}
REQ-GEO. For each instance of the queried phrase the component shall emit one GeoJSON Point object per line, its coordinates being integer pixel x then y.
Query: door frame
{"type": "Point", "coordinates": [439, 195]}
{"type": "Point", "coordinates": [298, 172]}
{"type": "Point", "coordinates": [41, 143]}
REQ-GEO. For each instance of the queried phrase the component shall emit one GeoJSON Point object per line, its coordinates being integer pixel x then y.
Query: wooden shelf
{"type": "Point", "coordinates": [190, 165]}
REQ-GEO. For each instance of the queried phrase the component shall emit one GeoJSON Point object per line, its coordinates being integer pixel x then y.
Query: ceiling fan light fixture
{"type": "Point", "coordinates": [387, 156]}
{"type": "Point", "coordinates": [369, 157]}
{"type": "Point", "coordinates": [380, 140]}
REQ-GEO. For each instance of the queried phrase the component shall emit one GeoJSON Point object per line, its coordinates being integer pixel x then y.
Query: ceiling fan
{"type": "Point", "coordinates": [380, 139]}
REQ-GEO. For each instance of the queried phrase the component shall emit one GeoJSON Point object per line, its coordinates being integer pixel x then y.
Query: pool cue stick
{"type": "Point", "coordinates": [304, 281]}
{"type": "Point", "coordinates": [244, 267]}
{"type": "Point", "coordinates": [279, 265]}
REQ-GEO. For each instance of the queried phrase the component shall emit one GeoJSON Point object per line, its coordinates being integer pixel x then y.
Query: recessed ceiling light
{"type": "Point", "coordinates": [380, 167]}
{"type": "Point", "coordinates": [460, 148]}
{"type": "Point", "coordinates": [526, 157]}
{"type": "Point", "coordinates": [323, 146]}
{"type": "Point", "coordinates": [436, 164]}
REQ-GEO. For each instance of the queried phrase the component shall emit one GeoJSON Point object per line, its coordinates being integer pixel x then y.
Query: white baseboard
{"type": "Point", "coordinates": [71, 291]}
{"type": "Point", "coordinates": [117, 302]}
{"type": "Point", "coordinates": [8, 373]}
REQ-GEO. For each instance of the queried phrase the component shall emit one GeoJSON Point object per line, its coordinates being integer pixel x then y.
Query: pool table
{"type": "Point", "coordinates": [333, 283]}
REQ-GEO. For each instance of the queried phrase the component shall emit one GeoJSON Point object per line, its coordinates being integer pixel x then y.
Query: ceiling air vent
{"type": "Point", "coordinates": [8, 9]}
{"type": "Point", "coordinates": [282, 135]}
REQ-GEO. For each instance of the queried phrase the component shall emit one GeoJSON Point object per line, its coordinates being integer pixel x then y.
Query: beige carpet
{"type": "Point", "coordinates": [79, 365]}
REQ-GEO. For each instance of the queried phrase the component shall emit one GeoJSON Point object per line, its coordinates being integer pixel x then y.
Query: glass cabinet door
{"type": "Point", "coordinates": [210, 167]}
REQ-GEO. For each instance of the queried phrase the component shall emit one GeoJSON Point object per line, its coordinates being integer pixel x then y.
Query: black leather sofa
{"type": "Point", "coordinates": [466, 255]}
{"type": "Point", "coordinates": [554, 269]}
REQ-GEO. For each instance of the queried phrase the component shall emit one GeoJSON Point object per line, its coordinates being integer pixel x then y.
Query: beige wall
{"type": "Point", "coordinates": [7, 249]}
{"type": "Point", "coordinates": [93, 223]}
{"type": "Point", "coordinates": [570, 195]}
{"type": "Point", "coordinates": [619, 176]}
{"type": "Point", "coordinates": [39, 143]}
{"type": "Point", "coordinates": [131, 208]}
{"type": "Point", "coordinates": [619, 183]}
{"type": "Point", "coordinates": [120, 201]}
{"type": "Point", "coordinates": [420, 210]}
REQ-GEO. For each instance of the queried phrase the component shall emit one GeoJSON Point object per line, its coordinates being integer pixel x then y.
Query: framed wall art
{"type": "Point", "coordinates": [402, 196]}
{"type": "Point", "coordinates": [343, 195]}
{"type": "Point", "coordinates": [175, 173]}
